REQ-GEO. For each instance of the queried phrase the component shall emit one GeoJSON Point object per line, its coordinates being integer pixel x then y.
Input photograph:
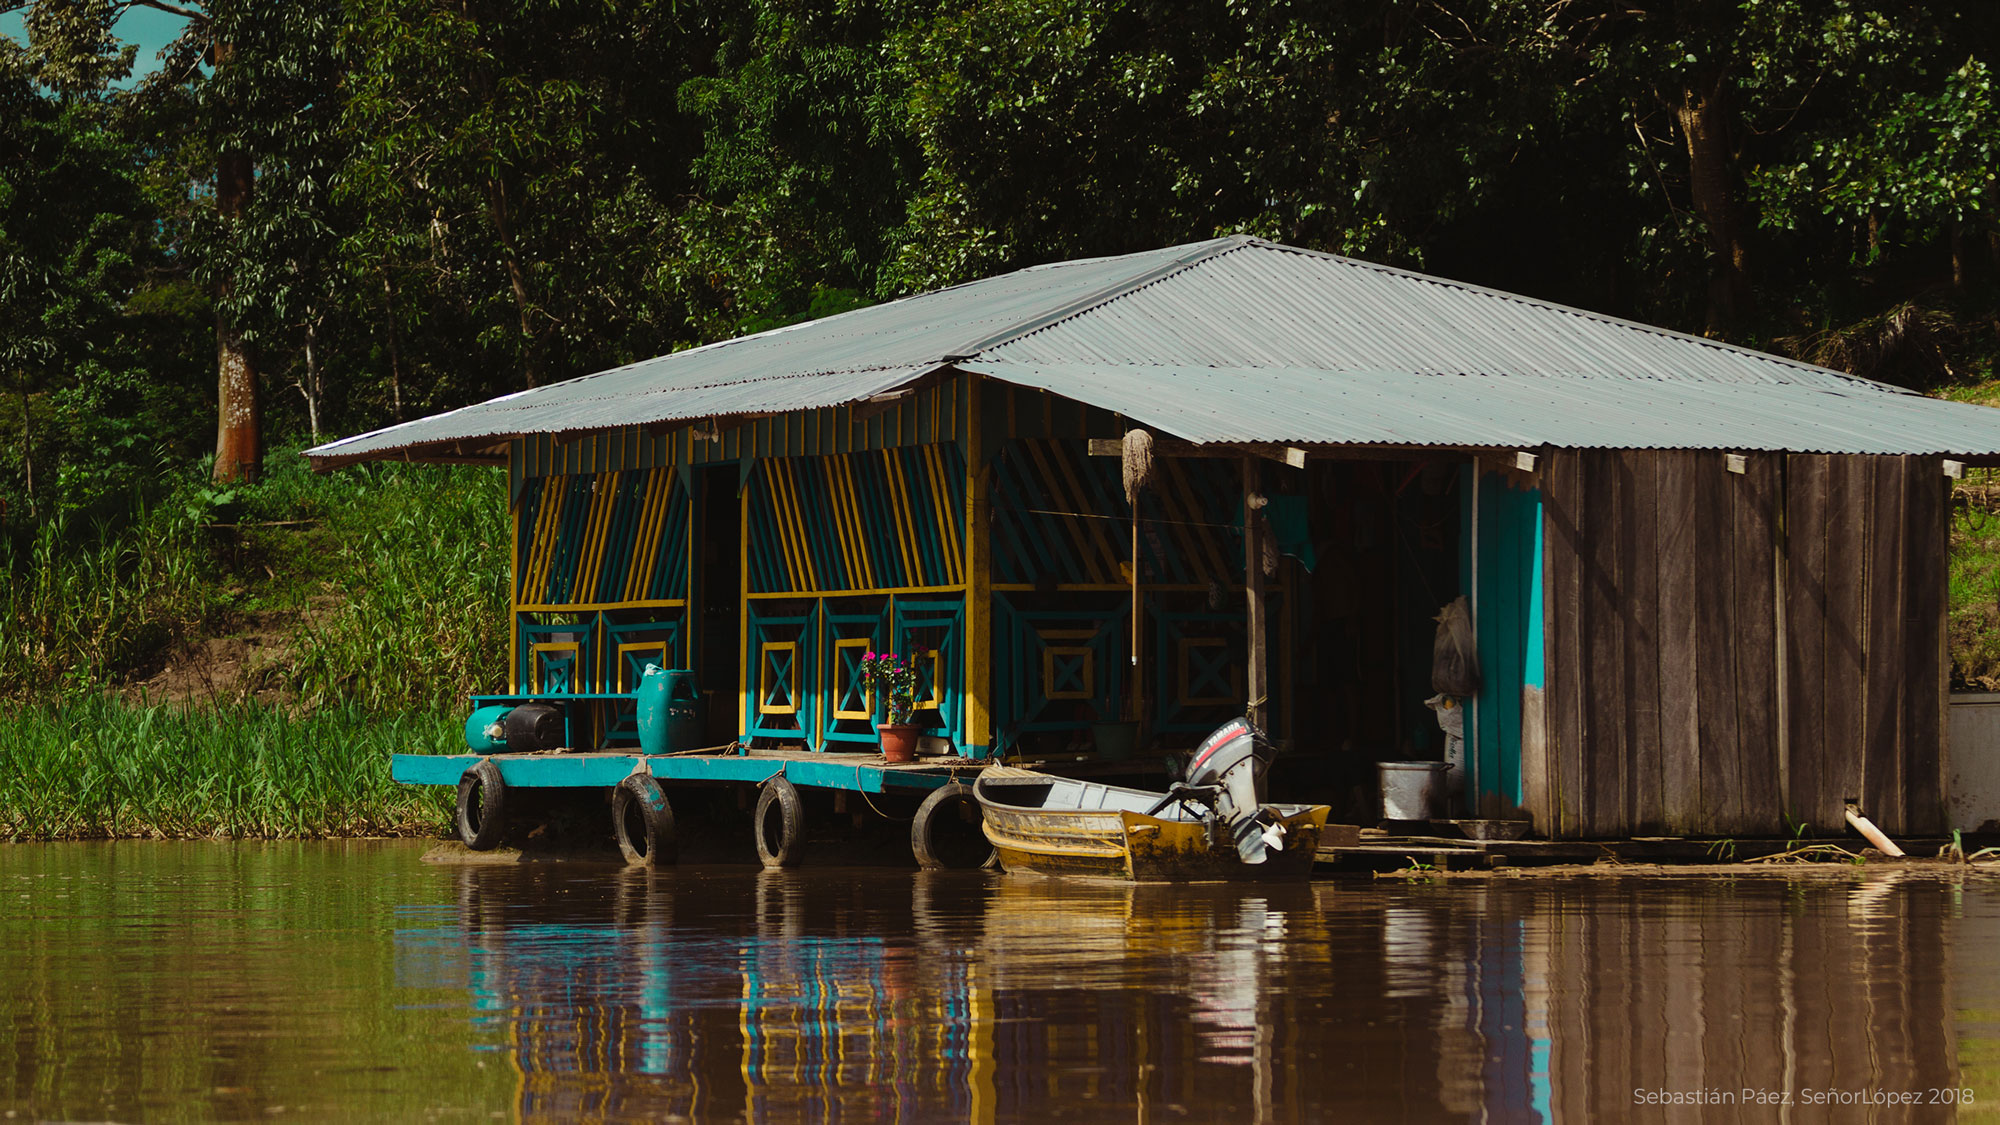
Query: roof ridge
{"type": "Point", "coordinates": [1572, 310]}
{"type": "Point", "coordinates": [1197, 252]}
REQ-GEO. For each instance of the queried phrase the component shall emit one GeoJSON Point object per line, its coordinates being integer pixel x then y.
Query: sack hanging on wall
{"type": "Point", "coordinates": [1455, 654]}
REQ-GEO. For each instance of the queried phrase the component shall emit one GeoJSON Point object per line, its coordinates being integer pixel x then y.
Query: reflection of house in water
{"type": "Point", "coordinates": [721, 995]}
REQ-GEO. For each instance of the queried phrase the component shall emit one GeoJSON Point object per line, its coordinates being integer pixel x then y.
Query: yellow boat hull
{"type": "Point", "coordinates": [1129, 845]}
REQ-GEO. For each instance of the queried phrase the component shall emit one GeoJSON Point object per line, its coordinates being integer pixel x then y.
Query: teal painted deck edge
{"type": "Point", "coordinates": [556, 772]}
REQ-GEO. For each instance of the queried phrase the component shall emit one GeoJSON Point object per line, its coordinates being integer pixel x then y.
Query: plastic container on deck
{"type": "Point", "coordinates": [669, 710]}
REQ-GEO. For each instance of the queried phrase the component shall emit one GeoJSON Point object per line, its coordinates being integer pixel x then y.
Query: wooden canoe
{"type": "Point", "coordinates": [1062, 826]}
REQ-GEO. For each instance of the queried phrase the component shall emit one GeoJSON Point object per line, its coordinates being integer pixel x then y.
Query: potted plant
{"type": "Point", "coordinates": [895, 681]}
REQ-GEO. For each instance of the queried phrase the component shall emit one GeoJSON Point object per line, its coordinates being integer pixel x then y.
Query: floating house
{"type": "Point", "coordinates": [1708, 584]}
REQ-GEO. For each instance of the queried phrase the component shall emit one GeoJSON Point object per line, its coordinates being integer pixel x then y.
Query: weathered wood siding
{"type": "Point", "coordinates": [1864, 616]}
{"type": "Point", "coordinates": [1710, 673]}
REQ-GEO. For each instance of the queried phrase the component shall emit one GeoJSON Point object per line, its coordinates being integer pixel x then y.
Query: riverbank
{"type": "Point", "coordinates": [98, 768]}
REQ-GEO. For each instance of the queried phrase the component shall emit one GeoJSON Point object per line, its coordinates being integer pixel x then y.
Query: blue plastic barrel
{"type": "Point", "coordinates": [669, 710]}
{"type": "Point", "coordinates": [479, 723]}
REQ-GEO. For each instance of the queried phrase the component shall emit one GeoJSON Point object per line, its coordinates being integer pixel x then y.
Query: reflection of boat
{"type": "Point", "coordinates": [1214, 826]}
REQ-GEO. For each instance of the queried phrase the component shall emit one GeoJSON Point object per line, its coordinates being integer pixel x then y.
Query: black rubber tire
{"type": "Point", "coordinates": [943, 837]}
{"type": "Point", "coordinates": [643, 822]}
{"type": "Point", "coordinates": [482, 806]}
{"type": "Point", "coordinates": [780, 824]}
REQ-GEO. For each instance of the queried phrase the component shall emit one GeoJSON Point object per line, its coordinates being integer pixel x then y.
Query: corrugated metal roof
{"type": "Point", "coordinates": [1244, 340]}
{"type": "Point", "coordinates": [1302, 406]}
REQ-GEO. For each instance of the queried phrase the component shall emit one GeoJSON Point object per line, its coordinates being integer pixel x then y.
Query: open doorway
{"type": "Point", "coordinates": [718, 593]}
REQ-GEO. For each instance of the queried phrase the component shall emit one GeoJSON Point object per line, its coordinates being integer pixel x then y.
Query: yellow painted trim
{"type": "Point", "coordinates": [639, 576]}
{"type": "Point", "coordinates": [854, 518]}
{"type": "Point", "coordinates": [742, 610]}
{"type": "Point", "coordinates": [514, 572]}
{"type": "Point", "coordinates": [535, 668]}
{"type": "Point", "coordinates": [978, 578]}
{"type": "Point", "coordinates": [1106, 549]}
{"type": "Point", "coordinates": [866, 644]}
{"type": "Point", "coordinates": [839, 505]}
{"type": "Point", "coordinates": [767, 595]}
{"type": "Point", "coordinates": [603, 499]}
{"type": "Point", "coordinates": [936, 700]}
{"type": "Point", "coordinates": [941, 513]}
{"type": "Point", "coordinates": [791, 524]}
{"type": "Point", "coordinates": [1085, 552]}
{"type": "Point", "coordinates": [634, 646]}
{"type": "Point", "coordinates": [764, 667]}
{"type": "Point", "coordinates": [542, 547]}
{"type": "Point", "coordinates": [899, 506]}
{"type": "Point", "coordinates": [1049, 654]}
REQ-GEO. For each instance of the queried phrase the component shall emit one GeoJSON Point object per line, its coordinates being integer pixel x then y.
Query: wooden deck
{"type": "Point", "coordinates": [861, 772]}
{"type": "Point", "coordinates": [1379, 851]}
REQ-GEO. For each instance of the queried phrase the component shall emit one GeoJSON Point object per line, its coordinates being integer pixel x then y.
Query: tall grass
{"type": "Point", "coordinates": [95, 768]}
{"type": "Point", "coordinates": [419, 566]}
{"type": "Point", "coordinates": [79, 605]}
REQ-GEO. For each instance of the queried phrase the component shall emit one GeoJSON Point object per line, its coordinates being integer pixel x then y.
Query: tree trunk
{"type": "Point", "coordinates": [311, 388]}
{"type": "Point", "coordinates": [1704, 122]}
{"type": "Point", "coordinates": [395, 349]}
{"type": "Point", "coordinates": [239, 451]}
{"type": "Point", "coordinates": [496, 197]}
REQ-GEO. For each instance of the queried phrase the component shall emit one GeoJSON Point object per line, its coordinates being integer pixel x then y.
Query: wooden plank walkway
{"type": "Point", "coordinates": [1378, 851]}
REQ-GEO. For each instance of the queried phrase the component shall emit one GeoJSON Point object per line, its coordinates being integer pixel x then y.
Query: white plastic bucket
{"type": "Point", "coordinates": [1410, 789]}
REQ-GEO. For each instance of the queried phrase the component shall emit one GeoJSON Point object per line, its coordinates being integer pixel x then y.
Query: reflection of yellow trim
{"type": "Point", "coordinates": [764, 667]}
{"type": "Point", "coordinates": [1185, 662]}
{"type": "Point", "coordinates": [1049, 655]}
{"type": "Point", "coordinates": [865, 644]}
{"type": "Point", "coordinates": [535, 651]}
{"type": "Point", "coordinates": [635, 646]}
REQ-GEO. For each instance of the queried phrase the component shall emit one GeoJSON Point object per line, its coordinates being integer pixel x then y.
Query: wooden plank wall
{"type": "Point", "coordinates": [1665, 627]}
{"type": "Point", "coordinates": [1662, 643]}
{"type": "Point", "coordinates": [1864, 615]}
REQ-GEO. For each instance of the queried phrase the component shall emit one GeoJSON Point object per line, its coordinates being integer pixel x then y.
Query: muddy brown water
{"type": "Point", "coordinates": [349, 981]}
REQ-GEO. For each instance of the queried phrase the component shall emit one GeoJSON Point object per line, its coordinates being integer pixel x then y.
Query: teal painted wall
{"type": "Point", "coordinates": [1509, 619]}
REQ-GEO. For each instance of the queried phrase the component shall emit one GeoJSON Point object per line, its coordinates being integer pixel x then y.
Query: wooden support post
{"type": "Point", "coordinates": [743, 656]}
{"type": "Point", "coordinates": [1253, 590]}
{"type": "Point", "coordinates": [978, 577]}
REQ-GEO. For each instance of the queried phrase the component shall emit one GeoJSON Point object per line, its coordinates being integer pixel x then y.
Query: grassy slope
{"type": "Point", "coordinates": [379, 593]}
{"type": "Point", "coordinates": [1975, 564]}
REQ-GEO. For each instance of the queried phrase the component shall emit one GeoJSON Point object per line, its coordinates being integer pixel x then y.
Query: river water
{"type": "Point", "coordinates": [323, 981]}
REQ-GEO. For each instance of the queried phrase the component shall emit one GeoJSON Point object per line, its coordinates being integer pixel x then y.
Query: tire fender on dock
{"type": "Point", "coordinates": [643, 822]}
{"type": "Point", "coordinates": [780, 824]}
{"type": "Point", "coordinates": [944, 837]}
{"type": "Point", "coordinates": [482, 806]}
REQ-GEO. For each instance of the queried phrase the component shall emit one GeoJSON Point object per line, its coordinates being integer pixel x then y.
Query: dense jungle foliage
{"type": "Point", "coordinates": [386, 208]}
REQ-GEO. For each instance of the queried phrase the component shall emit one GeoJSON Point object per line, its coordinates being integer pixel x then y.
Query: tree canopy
{"type": "Point", "coordinates": [391, 207]}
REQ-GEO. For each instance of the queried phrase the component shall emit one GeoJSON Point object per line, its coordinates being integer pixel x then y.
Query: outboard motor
{"type": "Point", "coordinates": [1231, 762]}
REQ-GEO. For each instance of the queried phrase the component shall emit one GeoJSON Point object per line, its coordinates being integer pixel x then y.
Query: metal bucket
{"type": "Point", "coordinates": [1410, 790]}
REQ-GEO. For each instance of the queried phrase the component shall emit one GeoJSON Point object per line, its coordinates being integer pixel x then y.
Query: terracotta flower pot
{"type": "Point", "coordinates": [899, 741]}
